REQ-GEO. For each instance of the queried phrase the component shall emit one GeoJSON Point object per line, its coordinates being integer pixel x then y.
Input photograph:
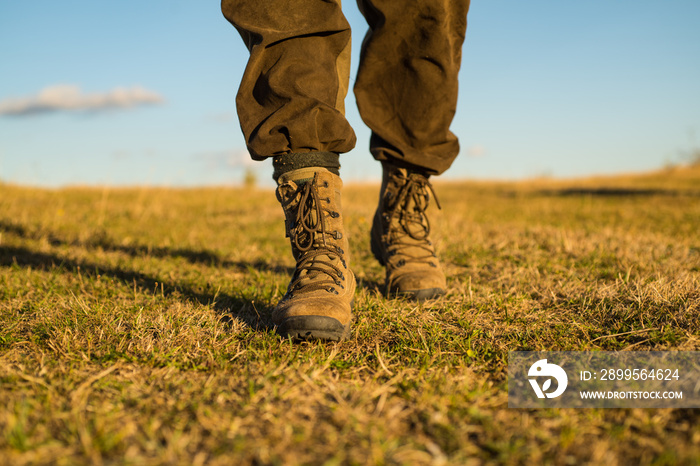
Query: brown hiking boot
{"type": "Point", "coordinates": [401, 236]}
{"type": "Point", "coordinates": [318, 302]}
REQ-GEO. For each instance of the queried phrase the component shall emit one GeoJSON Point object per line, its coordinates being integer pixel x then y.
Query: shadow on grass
{"type": "Point", "coordinates": [227, 307]}
{"type": "Point", "coordinates": [102, 241]}
{"type": "Point", "coordinates": [617, 192]}
{"type": "Point", "coordinates": [373, 286]}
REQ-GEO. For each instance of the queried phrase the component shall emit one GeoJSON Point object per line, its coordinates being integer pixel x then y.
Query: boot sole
{"type": "Point", "coordinates": [314, 328]}
{"type": "Point", "coordinates": [418, 295]}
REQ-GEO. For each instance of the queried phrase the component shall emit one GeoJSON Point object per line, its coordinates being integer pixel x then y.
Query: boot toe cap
{"type": "Point", "coordinates": [315, 317]}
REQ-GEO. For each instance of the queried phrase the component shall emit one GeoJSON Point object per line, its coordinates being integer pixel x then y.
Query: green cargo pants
{"type": "Point", "coordinates": [291, 98]}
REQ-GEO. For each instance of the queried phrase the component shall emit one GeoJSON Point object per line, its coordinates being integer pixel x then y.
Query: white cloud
{"type": "Point", "coordinates": [67, 97]}
{"type": "Point", "coordinates": [476, 151]}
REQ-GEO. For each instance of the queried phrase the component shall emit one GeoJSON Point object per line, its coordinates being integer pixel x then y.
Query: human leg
{"type": "Point", "coordinates": [291, 97]}
{"type": "Point", "coordinates": [290, 105]}
{"type": "Point", "coordinates": [406, 85]}
{"type": "Point", "coordinates": [406, 91]}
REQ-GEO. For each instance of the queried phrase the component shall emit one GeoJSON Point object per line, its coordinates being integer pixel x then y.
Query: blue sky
{"type": "Point", "coordinates": [146, 91]}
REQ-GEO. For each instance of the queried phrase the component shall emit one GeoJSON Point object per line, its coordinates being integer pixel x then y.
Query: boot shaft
{"type": "Point", "coordinates": [311, 200]}
{"type": "Point", "coordinates": [403, 201]}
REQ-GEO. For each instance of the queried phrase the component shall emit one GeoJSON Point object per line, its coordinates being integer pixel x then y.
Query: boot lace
{"type": "Point", "coordinates": [408, 222]}
{"type": "Point", "coordinates": [318, 260]}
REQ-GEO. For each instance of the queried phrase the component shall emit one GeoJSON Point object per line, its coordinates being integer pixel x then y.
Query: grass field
{"type": "Point", "coordinates": [135, 327]}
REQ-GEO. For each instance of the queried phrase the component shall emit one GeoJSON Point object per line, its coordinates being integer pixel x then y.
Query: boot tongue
{"type": "Point", "coordinates": [414, 212]}
{"type": "Point", "coordinates": [414, 202]}
{"type": "Point", "coordinates": [316, 269]}
{"type": "Point", "coordinates": [292, 183]}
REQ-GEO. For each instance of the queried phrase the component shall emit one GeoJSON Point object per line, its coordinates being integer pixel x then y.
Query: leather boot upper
{"type": "Point", "coordinates": [322, 284]}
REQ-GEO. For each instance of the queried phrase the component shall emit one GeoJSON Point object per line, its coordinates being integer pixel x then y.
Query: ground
{"type": "Point", "coordinates": [135, 327]}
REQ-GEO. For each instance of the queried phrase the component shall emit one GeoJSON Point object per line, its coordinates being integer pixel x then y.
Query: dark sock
{"type": "Point", "coordinates": [407, 166]}
{"type": "Point", "coordinates": [296, 160]}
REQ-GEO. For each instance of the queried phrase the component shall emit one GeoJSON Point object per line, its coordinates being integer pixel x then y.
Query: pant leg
{"type": "Point", "coordinates": [406, 86]}
{"type": "Point", "coordinates": [291, 97]}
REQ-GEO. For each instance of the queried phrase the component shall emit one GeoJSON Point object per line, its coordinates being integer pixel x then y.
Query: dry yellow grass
{"type": "Point", "coordinates": [135, 327]}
